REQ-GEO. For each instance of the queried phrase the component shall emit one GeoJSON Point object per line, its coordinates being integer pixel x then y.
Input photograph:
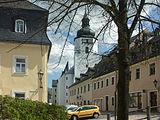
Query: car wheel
{"type": "Point", "coordinates": [74, 117]}
{"type": "Point", "coordinates": [95, 115]}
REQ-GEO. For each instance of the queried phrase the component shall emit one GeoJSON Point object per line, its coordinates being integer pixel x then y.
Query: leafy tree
{"type": "Point", "coordinates": [18, 109]}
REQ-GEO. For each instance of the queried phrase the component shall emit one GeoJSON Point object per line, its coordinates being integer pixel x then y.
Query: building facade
{"type": "Point", "coordinates": [144, 76]}
{"type": "Point", "coordinates": [24, 50]}
{"type": "Point", "coordinates": [64, 82]}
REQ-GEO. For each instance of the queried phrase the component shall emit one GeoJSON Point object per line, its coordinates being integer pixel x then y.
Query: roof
{"type": "Point", "coordinates": [35, 18]}
{"type": "Point", "coordinates": [21, 4]}
{"type": "Point", "coordinates": [71, 71]}
{"type": "Point", "coordinates": [37, 37]}
{"type": "Point", "coordinates": [85, 31]}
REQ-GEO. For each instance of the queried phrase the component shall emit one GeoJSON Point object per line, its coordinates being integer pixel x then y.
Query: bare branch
{"type": "Point", "coordinates": [66, 38]}
{"type": "Point", "coordinates": [153, 4]}
{"type": "Point", "coordinates": [149, 20]}
{"type": "Point", "coordinates": [136, 17]}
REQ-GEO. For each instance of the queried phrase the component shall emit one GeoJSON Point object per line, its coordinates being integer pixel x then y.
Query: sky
{"type": "Point", "coordinates": [96, 22]}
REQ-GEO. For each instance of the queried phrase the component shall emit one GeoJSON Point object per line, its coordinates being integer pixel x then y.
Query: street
{"type": "Point", "coordinates": [131, 117]}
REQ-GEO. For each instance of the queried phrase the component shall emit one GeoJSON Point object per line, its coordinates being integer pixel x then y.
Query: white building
{"type": "Point", "coordinates": [64, 82]}
{"type": "Point", "coordinates": [86, 49]}
{"type": "Point", "coordinates": [85, 56]}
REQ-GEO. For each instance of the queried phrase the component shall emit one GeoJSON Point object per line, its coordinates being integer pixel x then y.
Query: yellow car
{"type": "Point", "coordinates": [84, 111]}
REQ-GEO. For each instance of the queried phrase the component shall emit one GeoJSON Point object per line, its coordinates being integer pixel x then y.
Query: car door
{"type": "Point", "coordinates": [85, 112]}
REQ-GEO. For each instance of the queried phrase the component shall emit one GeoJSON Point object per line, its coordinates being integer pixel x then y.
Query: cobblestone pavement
{"type": "Point", "coordinates": [137, 116]}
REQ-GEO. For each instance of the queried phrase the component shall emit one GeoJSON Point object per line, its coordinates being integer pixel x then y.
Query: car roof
{"type": "Point", "coordinates": [89, 106]}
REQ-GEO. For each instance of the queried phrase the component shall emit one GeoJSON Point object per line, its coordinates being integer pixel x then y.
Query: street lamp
{"type": "Point", "coordinates": [40, 75]}
{"type": "Point", "coordinates": [155, 83]}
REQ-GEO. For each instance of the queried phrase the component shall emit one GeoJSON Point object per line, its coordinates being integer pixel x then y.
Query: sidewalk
{"type": "Point", "coordinates": [133, 116]}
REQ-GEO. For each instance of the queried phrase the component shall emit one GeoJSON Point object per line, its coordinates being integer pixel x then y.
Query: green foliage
{"type": "Point", "coordinates": [18, 109]}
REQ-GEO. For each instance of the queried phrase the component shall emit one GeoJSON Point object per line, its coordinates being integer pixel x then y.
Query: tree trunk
{"type": "Point", "coordinates": [123, 82]}
{"type": "Point", "coordinates": [123, 62]}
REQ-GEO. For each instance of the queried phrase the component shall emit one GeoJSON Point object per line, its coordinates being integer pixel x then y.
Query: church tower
{"type": "Point", "coordinates": [86, 49]}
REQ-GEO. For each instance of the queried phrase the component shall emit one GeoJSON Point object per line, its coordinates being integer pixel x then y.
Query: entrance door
{"type": "Point", "coordinates": [106, 103]}
{"type": "Point", "coordinates": [139, 98]}
{"type": "Point", "coordinates": [153, 100]}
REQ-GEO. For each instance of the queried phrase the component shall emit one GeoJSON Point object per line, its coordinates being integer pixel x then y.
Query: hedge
{"type": "Point", "coordinates": [19, 109]}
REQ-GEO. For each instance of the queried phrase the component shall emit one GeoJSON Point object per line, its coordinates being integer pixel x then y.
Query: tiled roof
{"type": "Point", "coordinates": [35, 20]}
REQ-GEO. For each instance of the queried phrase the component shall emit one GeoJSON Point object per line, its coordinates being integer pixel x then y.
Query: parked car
{"type": "Point", "coordinates": [84, 111]}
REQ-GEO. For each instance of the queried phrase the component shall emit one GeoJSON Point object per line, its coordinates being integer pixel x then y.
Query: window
{"type": "Point", "coordinates": [20, 26]}
{"type": "Point", "coordinates": [55, 96]}
{"type": "Point", "coordinates": [106, 82]}
{"type": "Point", "coordinates": [97, 85]}
{"type": "Point", "coordinates": [88, 87]}
{"type": "Point", "coordinates": [101, 84]}
{"type": "Point", "coordinates": [152, 69]}
{"type": "Point", "coordinates": [130, 75]}
{"type": "Point", "coordinates": [66, 101]}
{"type": "Point", "coordinates": [78, 91]}
{"type": "Point", "coordinates": [20, 94]}
{"type": "Point", "coordinates": [135, 100]}
{"type": "Point", "coordinates": [94, 86]}
{"type": "Point", "coordinates": [55, 90]}
{"type": "Point", "coordinates": [88, 102]}
{"type": "Point", "coordinates": [66, 87]}
{"type": "Point", "coordinates": [74, 91]}
{"type": "Point", "coordinates": [86, 50]}
{"type": "Point", "coordinates": [81, 89]}
{"type": "Point", "coordinates": [66, 94]}
{"type": "Point", "coordinates": [20, 64]}
{"type": "Point", "coordinates": [137, 73]}
{"type": "Point", "coordinates": [66, 78]}
{"type": "Point", "coordinates": [112, 101]}
{"type": "Point", "coordinates": [84, 88]}
{"type": "Point", "coordinates": [112, 82]}
{"type": "Point", "coordinates": [87, 40]}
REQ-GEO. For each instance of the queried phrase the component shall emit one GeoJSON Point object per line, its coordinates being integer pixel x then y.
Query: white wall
{"type": "Point", "coordinates": [61, 88]}
{"type": "Point", "coordinates": [81, 59]}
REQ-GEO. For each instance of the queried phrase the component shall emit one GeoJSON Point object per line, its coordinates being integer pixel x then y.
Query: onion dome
{"type": "Point", "coordinates": [85, 31]}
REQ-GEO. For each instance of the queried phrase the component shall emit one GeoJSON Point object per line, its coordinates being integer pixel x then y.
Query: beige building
{"type": "Point", "coordinates": [81, 93]}
{"type": "Point", "coordinates": [24, 51]}
{"type": "Point", "coordinates": [144, 78]}
{"type": "Point", "coordinates": [104, 91]}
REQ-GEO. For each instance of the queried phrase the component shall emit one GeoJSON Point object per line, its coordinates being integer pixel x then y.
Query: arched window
{"type": "Point", "coordinates": [20, 26]}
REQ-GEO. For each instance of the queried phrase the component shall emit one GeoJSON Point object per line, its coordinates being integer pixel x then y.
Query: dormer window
{"type": "Point", "coordinates": [20, 26]}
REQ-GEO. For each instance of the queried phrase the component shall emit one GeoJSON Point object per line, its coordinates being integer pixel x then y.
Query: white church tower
{"type": "Point", "coordinates": [86, 49]}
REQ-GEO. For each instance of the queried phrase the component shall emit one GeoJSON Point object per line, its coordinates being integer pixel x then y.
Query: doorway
{"type": "Point", "coordinates": [153, 101]}
{"type": "Point", "coordinates": [106, 103]}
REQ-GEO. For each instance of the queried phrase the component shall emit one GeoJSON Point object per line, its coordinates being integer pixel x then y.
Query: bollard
{"type": "Point", "coordinates": [108, 116]}
{"type": "Point", "coordinates": [148, 113]}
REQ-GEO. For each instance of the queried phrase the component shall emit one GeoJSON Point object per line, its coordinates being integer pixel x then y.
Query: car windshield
{"type": "Point", "coordinates": [75, 109]}
{"type": "Point", "coordinates": [71, 108]}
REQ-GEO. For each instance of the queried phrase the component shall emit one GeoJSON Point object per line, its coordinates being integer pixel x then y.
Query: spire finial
{"type": "Point", "coordinates": [85, 20]}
